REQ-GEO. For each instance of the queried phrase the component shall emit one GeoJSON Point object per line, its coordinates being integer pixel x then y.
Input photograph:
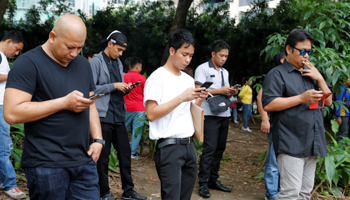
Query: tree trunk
{"type": "Point", "coordinates": [178, 23]}
{"type": "Point", "coordinates": [3, 6]}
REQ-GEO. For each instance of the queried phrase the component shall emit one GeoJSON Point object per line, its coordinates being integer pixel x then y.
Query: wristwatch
{"type": "Point", "coordinates": [100, 141]}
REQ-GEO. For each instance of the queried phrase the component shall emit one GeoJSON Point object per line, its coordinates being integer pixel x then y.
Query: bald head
{"type": "Point", "coordinates": [70, 24]}
{"type": "Point", "coordinates": [66, 39]}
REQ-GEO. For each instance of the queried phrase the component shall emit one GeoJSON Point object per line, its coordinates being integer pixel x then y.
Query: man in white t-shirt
{"type": "Point", "coordinates": [167, 95]}
{"type": "Point", "coordinates": [11, 44]}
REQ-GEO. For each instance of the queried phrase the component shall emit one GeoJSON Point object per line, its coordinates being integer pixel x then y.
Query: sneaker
{"type": "Point", "coordinates": [15, 193]}
{"type": "Point", "coordinates": [246, 129]}
{"type": "Point", "coordinates": [235, 121]}
{"type": "Point", "coordinates": [133, 196]}
{"type": "Point", "coordinates": [135, 156]}
{"type": "Point", "coordinates": [107, 196]}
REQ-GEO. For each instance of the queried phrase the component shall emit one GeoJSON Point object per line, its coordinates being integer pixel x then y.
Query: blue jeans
{"type": "Point", "coordinates": [234, 113]}
{"type": "Point", "coordinates": [63, 183]}
{"type": "Point", "coordinates": [271, 175]}
{"type": "Point", "coordinates": [7, 172]}
{"type": "Point", "coordinates": [136, 124]}
{"type": "Point", "coordinates": [247, 112]}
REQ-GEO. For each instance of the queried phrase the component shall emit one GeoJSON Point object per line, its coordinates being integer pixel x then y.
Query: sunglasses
{"type": "Point", "coordinates": [303, 52]}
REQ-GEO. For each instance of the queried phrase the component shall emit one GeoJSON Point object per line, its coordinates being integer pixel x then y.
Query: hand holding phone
{"type": "Point", "coordinates": [320, 104]}
{"type": "Point", "coordinates": [95, 96]}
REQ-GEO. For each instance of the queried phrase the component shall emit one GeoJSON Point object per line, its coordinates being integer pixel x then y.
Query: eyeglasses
{"type": "Point", "coordinates": [303, 52]}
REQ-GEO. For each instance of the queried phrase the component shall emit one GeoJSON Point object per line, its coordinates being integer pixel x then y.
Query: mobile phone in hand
{"type": "Point", "coordinates": [135, 84]}
{"type": "Point", "coordinates": [207, 84]}
{"type": "Point", "coordinates": [95, 96]}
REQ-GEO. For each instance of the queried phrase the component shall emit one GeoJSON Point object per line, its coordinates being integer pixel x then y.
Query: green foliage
{"type": "Point", "coordinates": [333, 172]}
{"type": "Point", "coordinates": [17, 135]}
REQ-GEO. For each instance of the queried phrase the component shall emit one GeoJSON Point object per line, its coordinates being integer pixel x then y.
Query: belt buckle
{"type": "Point", "coordinates": [187, 140]}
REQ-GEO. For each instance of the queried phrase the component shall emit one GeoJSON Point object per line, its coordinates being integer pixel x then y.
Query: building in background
{"type": "Point", "coordinates": [90, 7]}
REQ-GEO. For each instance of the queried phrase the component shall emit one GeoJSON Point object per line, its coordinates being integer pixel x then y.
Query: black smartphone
{"type": "Point", "coordinates": [95, 96]}
{"type": "Point", "coordinates": [207, 84]}
{"type": "Point", "coordinates": [135, 84]}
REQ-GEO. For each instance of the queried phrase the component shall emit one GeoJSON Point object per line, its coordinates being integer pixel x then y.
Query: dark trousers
{"type": "Point", "coordinates": [215, 136]}
{"type": "Point", "coordinates": [177, 170]}
{"type": "Point", "coordinates": [118, 136]}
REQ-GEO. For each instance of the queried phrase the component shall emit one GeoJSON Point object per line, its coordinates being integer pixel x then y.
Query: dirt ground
{"type": "Point", "coordinates": [238, 169]}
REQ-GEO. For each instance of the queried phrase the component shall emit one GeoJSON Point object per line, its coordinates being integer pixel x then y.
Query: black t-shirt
{"type": "Point", "coordinates": [61, 139]}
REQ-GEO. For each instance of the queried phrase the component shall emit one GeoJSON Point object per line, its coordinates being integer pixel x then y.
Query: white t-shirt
{"type": "Point", "coordinates": [163, 86]}
{"type": "Point", "coordinates": [4, 69]}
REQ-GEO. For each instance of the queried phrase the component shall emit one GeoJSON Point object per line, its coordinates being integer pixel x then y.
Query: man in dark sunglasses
{"type": "Point", "coordinates": [298, 132]}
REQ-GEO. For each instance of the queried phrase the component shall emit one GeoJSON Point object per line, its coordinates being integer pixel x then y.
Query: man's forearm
{"type": "Point", "coordinates": [283, 103]}
{"type": "Point", "coordinates": [28, 111]}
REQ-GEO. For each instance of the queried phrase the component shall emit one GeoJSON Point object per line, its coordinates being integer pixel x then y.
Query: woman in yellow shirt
{"type": "Point", "coordinates": [246, 96]}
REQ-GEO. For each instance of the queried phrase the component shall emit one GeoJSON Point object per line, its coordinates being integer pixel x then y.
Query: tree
{"type": "Point", "coordinates": [178, 23]}
{"type": "Point", "coordinates": [3, 6]}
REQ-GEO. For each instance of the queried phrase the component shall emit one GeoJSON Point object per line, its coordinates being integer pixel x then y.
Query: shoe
{"type": "Point", "coordinates": [235, 121]}
{"type": "Point", "coordinates": [218, 186]}
{"type": "Point", "coordinates": [272, 198]}
{"type": "Point", "coordinates": [133, 196]}
{"type": "Point", "coordinates": [16, 193]}
{"type": "Point", "coordinates": [107, 196]}
{"type": "Point", "coordinates": [204, 191]}
{"type": "Point", "coordinates": [246, 129]}
{"type": "Point", "coordinates": [135, 156]}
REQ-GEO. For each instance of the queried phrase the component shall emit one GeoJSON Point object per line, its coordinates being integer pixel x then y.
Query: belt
{"type": "Point", "coordinates": [168, 141]}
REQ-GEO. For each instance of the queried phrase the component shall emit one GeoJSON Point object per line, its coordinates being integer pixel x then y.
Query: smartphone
{"type": "Point", "coordinates": [135, 84]}
{"type": "Point", "coordinates": [95, 96]}
{"type": "Point", "coordinates": [325, 95]}
{"type": "Point", "coordinates": [207, 84]}
{"type": "Point", "coordinates": [237, 86]}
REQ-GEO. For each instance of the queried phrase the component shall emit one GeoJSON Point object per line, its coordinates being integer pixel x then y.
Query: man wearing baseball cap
{"type": "Point", "coordinates": [107, 72]}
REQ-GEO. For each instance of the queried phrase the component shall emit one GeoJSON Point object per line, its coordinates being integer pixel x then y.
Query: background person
{"type": "Point", "coordinates": [47, 90]}
{"type": "Point", "coordinates": [342, 116]}
{"type": "Point", "coordinates": [215, 124]}
{"type": "Point", "coordinates": [271, 174]}
{"type": "Point", "coordinates": [298, 132]}
{"type": "Point", "coordinates": [246, 96]}
{"type": "Point", "coordinates": [10, 45]}
{"type": "Point", "coordinates": [134, 103]}
{"type": "Point", "coordinates": [107, 71]}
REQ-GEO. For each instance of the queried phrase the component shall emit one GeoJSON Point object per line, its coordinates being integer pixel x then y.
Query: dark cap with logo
{"type": "Point", "coordinates": [116, 37]}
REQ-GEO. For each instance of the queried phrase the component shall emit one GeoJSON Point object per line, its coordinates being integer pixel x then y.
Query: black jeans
{"type": "Point", "coordinates": [118, 136]}
{"type": "Point", "coordinates": [215, 136]}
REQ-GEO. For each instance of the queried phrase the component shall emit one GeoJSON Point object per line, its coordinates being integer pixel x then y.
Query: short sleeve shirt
{"type": "Point", "coordinates": [163, 86]}
{"type": "Point", "coordinates": [61, 139]}
{"type": "Point", "coordinates": [297, 131]}
{"type": "Point", "coordinates": [207, 72]}
{"type": "Point", "coordinates": [4, 69]}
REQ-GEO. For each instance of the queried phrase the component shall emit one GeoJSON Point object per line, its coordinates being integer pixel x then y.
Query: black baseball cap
{"type": "Point", "coordinates": [116, 37]}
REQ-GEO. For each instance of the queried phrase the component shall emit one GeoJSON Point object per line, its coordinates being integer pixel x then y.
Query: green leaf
{"type": "Point", "coordinates": [262, 156]}
{"type": "Point", "coordinates": [330, 168]}
{"type": "Point", "coordinates": [322, 24]}
{"type": "Point", "coordinates": [307, 14]}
